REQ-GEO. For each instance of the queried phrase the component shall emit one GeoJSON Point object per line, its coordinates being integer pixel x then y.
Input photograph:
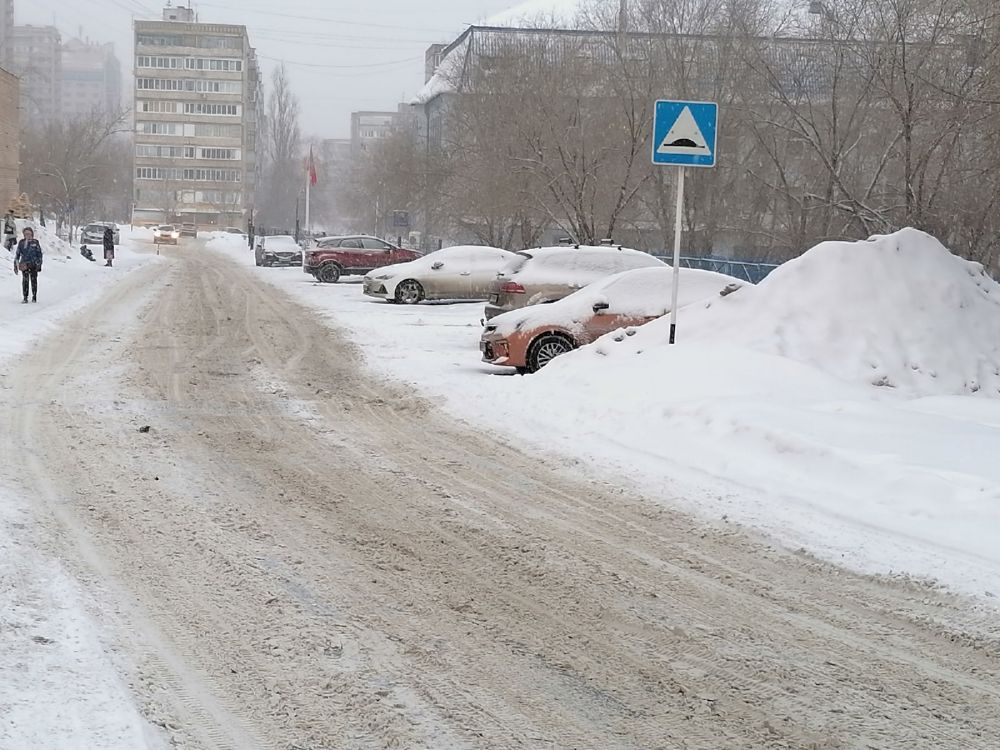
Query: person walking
{"type": "Point", "coordinates": [109, 246]}
{"type": "Point", "coordinates": [28, 262]}
{"type": "Point", "coordinates": [9, 231]}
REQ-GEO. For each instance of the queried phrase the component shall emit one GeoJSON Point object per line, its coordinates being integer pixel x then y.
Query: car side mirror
{"type": "Point", "coordinates": [600, 307]}
{"type": "Point", "coordinates": [437, 266]}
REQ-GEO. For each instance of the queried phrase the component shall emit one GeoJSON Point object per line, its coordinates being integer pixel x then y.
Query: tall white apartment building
{"type": "Point", "coordinates": [197, 99]}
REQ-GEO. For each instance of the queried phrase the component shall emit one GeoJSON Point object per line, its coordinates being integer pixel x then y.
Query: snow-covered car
{"type": "Point", "coordinates": [93, 233]}
{"type": "Point", "coordinates": [166, 234]}
{"type": "Point", "coordinates": [277, 250]}
{"type": "Point", "coordinates": [462, 272]}
{"type": "Point", "coordinates": [234, 230]}
{"type": "Point", "coordinates": [547, 274]}
{"type": "Point", "coordinates": [530, 338]}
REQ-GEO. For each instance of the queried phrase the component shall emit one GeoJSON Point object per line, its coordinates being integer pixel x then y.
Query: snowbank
{"type": "Point", "coordinates": [897, 311]}
{"type": "Point", "coordinates": [226, 241]}
{"type": "Point", "coordinates": [68, 282]}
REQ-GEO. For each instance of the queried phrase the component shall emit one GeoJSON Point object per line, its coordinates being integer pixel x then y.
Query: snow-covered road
{"type": "Point", "coordinates": [298, 554]}
{"type": "Point", "coordinates": [868, 478]}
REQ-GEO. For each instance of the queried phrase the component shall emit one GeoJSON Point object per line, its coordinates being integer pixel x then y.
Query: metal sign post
{"type": "Point", "coordinates": [684, 135]}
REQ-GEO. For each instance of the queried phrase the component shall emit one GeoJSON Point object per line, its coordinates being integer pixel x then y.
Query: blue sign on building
{"type": "Point", "coordinates": [684, 133]}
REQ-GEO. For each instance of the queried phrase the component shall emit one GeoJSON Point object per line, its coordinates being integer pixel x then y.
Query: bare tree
{"type": "Point", "coordinates": [284, 174]}
{"type": "Point", "coordinates": [70, 166]}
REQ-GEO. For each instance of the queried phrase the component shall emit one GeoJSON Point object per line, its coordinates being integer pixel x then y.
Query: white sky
{"type": "Point", "coordinates": [343, 55]}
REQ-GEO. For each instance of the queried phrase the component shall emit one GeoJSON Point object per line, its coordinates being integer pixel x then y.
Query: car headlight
{"type": "Point", "coordinates": [383, 277]}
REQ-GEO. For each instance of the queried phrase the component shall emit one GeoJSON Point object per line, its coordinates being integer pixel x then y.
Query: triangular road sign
{"type": "Point", "coordinates": [685, 137]}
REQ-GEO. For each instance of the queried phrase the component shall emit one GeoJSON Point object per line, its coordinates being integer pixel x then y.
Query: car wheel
{"type": "Point", "coordinates": [547, 347]}
{"type": "Point", "coordinates": [329, 274]}
{"type": "Point", "coordinates": [409, 292]}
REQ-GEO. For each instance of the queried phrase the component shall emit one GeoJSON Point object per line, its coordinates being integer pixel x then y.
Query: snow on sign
{"type": "Point", "coordinates": [684, 133]}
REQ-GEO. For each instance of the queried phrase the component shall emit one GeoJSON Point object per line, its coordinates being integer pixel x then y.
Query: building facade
{"type": "Point", "coordinates": [36, 58]}
{"type": "Point", "coordinates": [10, 131]}
{"type": "Point", "coordinates": [91, 79]}
{"type": "Point", "coordinates": [369, 128]}
{"type": "Point", "coordinates": [6, 30]}
{"type": "Point", "coordinates": [197, 100]}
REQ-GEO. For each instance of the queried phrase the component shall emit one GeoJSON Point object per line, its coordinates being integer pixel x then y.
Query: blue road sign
{"type": "Point", "coordinates": [684, 133]}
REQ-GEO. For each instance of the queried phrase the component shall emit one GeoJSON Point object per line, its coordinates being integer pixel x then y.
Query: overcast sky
{"type": "Point", "coordinates": [344, 55]}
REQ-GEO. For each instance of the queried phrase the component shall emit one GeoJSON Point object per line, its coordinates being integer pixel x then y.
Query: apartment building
{"type": "Point", "coordinates": [9, 140]}
{"type": "Point", "coordinates": [197, 100]}
{"type": "Point", "coordinates": [36, 58]}
{"type": "Point", "coordinates": [91, 79]}
{"type": "Point", "coordinates": [369, 128]}
{"type": "Point", "coordinates": [6, 30]}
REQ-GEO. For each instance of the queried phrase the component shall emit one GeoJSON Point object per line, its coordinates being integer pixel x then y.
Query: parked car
{"type": "Point", "coordinates": [189, 230]}
{"type": "Point", "coordinates": [94, 233]}
{"type": "Point", "coordinates": [529, 338]}
{"type": "Point", "coordinates": [357, 254]}
{"type": "Point", "coordinates": [462, 272]}
{"type": "Point", "coordinates": [166, 234]}
{"type": "Point", "coordinates": [277, 250]}
{"type": "Point", "coordinates": [547, 274]}
{"type": "Point", "coordinates": [234, 230]}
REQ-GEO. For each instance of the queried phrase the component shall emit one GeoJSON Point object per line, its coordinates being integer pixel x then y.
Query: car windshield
{"type": "Point", "coordinates": [95, 228]}
{"type": "Point", "coordinates": [167, 228]}
{"type": "Point", "coordinates": [280, 241]}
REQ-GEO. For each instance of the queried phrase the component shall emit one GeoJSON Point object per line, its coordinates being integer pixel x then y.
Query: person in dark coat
{"type": "Point", "coordinates": [9, 231]}
{"type": "Point", "coordinates": [109, 246]}
{"type": "Point", "coordinates": [28, 262]}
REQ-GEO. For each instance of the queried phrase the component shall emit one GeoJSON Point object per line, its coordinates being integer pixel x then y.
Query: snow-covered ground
{"type": "Point", "coordinates": [847, 405]}
{"type": "Point", "coordinates": [60, 687]}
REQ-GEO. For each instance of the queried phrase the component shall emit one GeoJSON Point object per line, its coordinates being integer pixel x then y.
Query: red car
{"type": "Point", "coordinates": [333, 257]}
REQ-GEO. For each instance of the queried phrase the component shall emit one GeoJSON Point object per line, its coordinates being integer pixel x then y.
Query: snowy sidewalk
{"type": "Point", "coordinates": [60, 689]}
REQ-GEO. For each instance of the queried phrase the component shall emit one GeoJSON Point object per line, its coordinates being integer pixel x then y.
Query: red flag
{"type": "Point", "coordinates": [311, 168]}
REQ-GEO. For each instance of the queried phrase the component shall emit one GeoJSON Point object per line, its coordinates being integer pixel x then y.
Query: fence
{"type": "Point", "coordinates": [748, 270]}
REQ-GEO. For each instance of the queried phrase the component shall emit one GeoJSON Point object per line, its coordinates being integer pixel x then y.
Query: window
{"type": "Point", "coordinates": [160, 40]}
{"type": "Point", "coordinates": [157, 173]}
{"type": "Point", "coordinates": [202, 108]}
{"type": "Point", "coordinates": [369, 243]}
{"type": "Point", "coordinates": [218, 131]}
{"type": "Point", "coordinates": [216, 197]}
{"type": "Point", "coordinates": [178, 84]}
{"type": "Point", "coordinates": [353, 244]}
{"type": "Point", "coordinates": [151, 151]}
{"type": "Point", "coordinates": [214, 87]}
{"type": "Point", "coordinates": [164, 63]}
{"type": "Point", "coordinates": [153, 105]}
{"type": "Point", "coordinates": [213, 175]}
{"type": "Point", "coordinates": [201, 63]}
{"type": "Point", "coordinates": [220, 42]}
{"type": "Point", "coordinates": [160, 84]}
{"type": "Point", "coordinates": [219, 153]}
{"type": "Point", "coordinates": [160, 128]}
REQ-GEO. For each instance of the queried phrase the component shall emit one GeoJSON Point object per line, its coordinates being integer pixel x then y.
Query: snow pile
{"type": "Point", "coordinates": [226, 241]}
{"type": "Point", "coordinates": [898, 311]}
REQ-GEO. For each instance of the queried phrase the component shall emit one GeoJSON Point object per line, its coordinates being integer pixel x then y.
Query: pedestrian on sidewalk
{"type": "Point", "coordinates": [9, 231]}
{"type": "Point", "coordinates": [109, 246]}
{"type": "Point", "coordinates": [28, 262]}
